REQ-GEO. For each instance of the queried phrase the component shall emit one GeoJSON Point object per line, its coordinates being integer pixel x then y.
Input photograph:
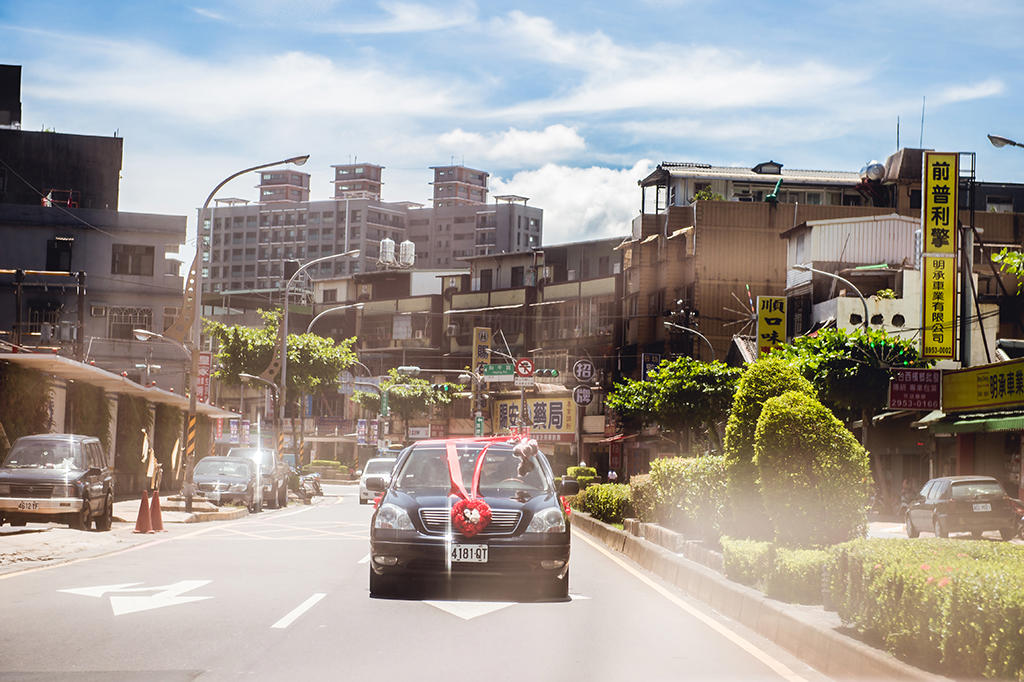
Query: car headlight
{"type": "Point", "coordinates": [238, 487]}
{"type": "Point", "coordinates": [550, 520]}
{"type": "Point", "coordinates": [65, 490]}
{"type": "Point", "coordinates": [5, 489]}
{"type": "Point", "coordinates": [393, 517]}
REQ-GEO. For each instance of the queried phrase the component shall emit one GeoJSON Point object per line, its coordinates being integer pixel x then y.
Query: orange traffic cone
{"type": "Point", "coordinates": [155, 520]}
{"type": "Point", "coordinates": [143, 523]}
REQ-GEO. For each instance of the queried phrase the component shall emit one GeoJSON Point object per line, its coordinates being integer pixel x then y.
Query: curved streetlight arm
{"type": "Point", "coordinates": [146, 335]}
{"type": "Point", "coordinates": [357, 306]}
{"type": "Point", "coordinates": [1000, 141]}
{"type": "Point", "coordinates": [252, 377]}
{"type": "Point", "coordinates": [714, 356]}
{"type": "Point", "coordinates": [845, 281]}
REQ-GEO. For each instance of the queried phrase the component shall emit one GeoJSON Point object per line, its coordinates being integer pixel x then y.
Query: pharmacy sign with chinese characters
{"type": "Point", "coordinates": [939, 223]}
{"type": "Point", "coordinates": [999, 385]}
{"type": "Point", "coordinates": [553, 419]}
{"type": "Point", "coordinates": [771, 323]}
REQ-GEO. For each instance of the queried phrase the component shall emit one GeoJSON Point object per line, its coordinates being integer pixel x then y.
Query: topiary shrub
{"type": "Point", "coordinates": [747, 561]}
{"type": "Point", "coordinates": [576, 472]}
{"type": "Point", "coordinates": [814, 476]}
{"type": "Point", "coordinates": [643, 495]}
{"type": "Point", "coordinates": [608, 502]}
{"type": "Point", "coordinates": [764, 379]}
{"type": "Point", "coordinates": [796, 575]}
{"type": "Point", "coordinates": [690, 494]}
{"type": "Point", "coordinates": [326, 463]}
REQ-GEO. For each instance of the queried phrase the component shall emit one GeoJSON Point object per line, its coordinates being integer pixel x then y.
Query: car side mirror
{"type": "Point", "coordinates": [359, 472]}
{"type": "Point", "coordinates": [376, 483]}
{"type": "Point", "coordinates": [568, 486]}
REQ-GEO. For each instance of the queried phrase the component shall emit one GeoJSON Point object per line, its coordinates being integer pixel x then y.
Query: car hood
{"type": "Point", "coordinates": [432, 500]}
{"type": "Point", "coordinates": [8, 475]}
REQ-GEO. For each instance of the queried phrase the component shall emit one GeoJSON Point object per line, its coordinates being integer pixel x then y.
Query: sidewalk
{"type": "Point", "coordinates": [173, 511]}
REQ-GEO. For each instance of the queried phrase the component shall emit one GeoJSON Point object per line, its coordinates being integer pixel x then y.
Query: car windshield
{"type": "Point", "coordinates": [45, 454]}
{"type": "Point", "coordinates": [264, 457]}
{"type": "Point", "coordinates": [502, 474]}
{"type": "Point", "coordinates": [379, 467]}
{"type": "Point", "coordinates": [221, 468]}
{"type": "Point", "coordinates": [965, 490]}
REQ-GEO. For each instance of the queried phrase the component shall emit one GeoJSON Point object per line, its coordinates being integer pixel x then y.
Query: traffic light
{"type": "Point", "coordinates": [444, 388]}
{"type": "Point", "coordinates": [546, 373]}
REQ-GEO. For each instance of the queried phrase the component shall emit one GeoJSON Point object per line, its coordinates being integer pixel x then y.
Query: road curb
{"type": "Point", "coordinates": [794, 628]}
{"type": "Point", "coordinates": [229, 515]}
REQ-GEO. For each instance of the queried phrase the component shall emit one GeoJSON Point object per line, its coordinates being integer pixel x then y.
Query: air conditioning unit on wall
{"type": "Point", "coordinates": [98, 310]}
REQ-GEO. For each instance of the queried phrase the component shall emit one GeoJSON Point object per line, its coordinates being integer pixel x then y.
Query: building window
{"type": "Point", "coordinates": [517, 276]}
{"type": "Point", "coordinates": [121, 320]}
{"type": "Point", "coordinates": [58, 254]}
{"type": "Point", "coordinates": [486, 280]}
{"type": "Point", "coordinates": [132, 259]}
{"type": "Point", "coordinates": [330, 295]}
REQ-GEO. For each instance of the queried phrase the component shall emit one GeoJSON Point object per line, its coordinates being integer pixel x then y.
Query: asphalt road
{"type": "Point", "coordinates": [283, 595]}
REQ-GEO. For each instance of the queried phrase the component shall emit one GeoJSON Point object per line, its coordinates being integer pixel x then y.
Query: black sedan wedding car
{"type": "Point", "coordinates": [470, 507]}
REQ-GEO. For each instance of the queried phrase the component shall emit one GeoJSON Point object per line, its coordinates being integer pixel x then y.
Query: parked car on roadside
{"type": "Point", "coordinates": [57, 477]}
{"type": "Point", "coordinates": [374, 467]}
{"type": "Point", "coordinates": [952, 504]}
{"type": "Point", "coordinates": [512, 526]}
{"type": "Point", "coordinates": [272, 472]}
{"type": "Point", "coordinates": [224, 480]}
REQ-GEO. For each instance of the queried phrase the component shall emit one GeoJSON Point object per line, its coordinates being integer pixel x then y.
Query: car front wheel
{"type": "Point", "coordinates": [282, 496]}
{"type": "Point", "coordinates": [912, 532]}
{"type": "Point", "coordinates": [105, 520]}
{"type": "Point", "coordinates": [940, 529]}
{"type": "Point", "coordinates": [1007, 533]}
{"type": "Point", "coordinates": [81, 520]}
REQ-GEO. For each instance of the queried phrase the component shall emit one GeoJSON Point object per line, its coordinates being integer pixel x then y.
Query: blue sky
{"type": "Point", "coordinates": [568, 103]}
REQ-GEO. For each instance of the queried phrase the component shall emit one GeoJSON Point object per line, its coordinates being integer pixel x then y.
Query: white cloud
{"type": "Point", "coordinates": [664, 76]}
{"type": "Point", "coordinates": [208, 13]}
{"type": "Point", "coordinates": [963, 93]}
{"type": "Point", "coordinates": [406, 17]}
{"type": "Point", "coordinates": [515, 147]}
{"type": "Point", "coordinates": [580, 203]}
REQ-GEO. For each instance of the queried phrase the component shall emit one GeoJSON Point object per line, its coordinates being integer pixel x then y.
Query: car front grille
{"type": "Point", "coordinates": [213, 487]}
{"type": "Point", "coordinates": [39, 490]}
{"type": "Point", "coordinates": [503, 521]}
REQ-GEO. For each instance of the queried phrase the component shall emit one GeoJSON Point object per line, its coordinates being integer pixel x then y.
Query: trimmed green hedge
{"type": "Point", "coordinates": [690, 494]}
{"type": "Point", "coordinates": [747, 561]}
{"type": "Point", "coordinates": [644, 496]}
{"type": "Point", "coordinates": [326, 463]}
{"type": "Point", "coordinates": [953, 605]}
{"type": "Point", "coordinates": [608, 502]}
{"type": "Point", "coordinates": [796, 575]}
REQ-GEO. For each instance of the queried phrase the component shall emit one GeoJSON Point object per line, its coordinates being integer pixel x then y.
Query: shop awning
{"type": "Point", "coordinates": [987, 422]}
{"type": "Point", "coordinates": [72, 370]}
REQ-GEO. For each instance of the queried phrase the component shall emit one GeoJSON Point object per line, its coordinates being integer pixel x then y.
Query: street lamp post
{"type": "Point", "coordinates": [194, 288]}
{"type": "Point", "coordinates": [244, 376]}
{"type": "Point", "coordinates": [693, 331]}
{"type": "Point", "coordinates": [284, 336]}
{"type": "Point", "coordinates": [808, 268]}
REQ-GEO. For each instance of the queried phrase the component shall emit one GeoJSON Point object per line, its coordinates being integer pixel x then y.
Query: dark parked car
{"type": "Point", "coordinates": [223, 480]}
{"type": "Point", "coordinates": [416, 532]}
{"type": "Point", "coordinates": [961, 503]}
{"type": "Point", "coordinates": [57, 477]}
{"type": "Point", "coordinates": [273, 474]}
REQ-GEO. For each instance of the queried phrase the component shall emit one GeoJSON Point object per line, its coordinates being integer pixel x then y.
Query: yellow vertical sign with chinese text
{"type": "Point", "coordinates": [939, 223]}
{"type": "Point", "coordinates": [481, 344]}
{"type": "Point", "coordinates": [939, 314]}
{"type": "Point", "coordinates": [939, 202]}
{"type": "Point", "coordinates": [771, 323]}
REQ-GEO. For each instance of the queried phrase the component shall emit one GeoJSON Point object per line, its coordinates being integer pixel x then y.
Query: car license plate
{"type": "Point", "coordinates": [982, 507]}
{"type": "Point", "coordinates": [28, 505]}
{"type": "Point", "coordinates": [476, 554]}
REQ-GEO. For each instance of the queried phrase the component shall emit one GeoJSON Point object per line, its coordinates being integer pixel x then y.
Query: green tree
{"type": "Point", "coordinates": [314, 362]}
{"type": "Point", "coordinates": [706, 194]}
{"type": "Point", "coordinates": [851, 372]}
{"type": "Point", "coordinates": [813, 476]}
{"type": "Point", "coordinates": [768, 377]}
{"type": "Point", "coordinates": [1011, 262]}
{"type": "Point", "coordinates": [24, 403]}
{"type": "Point", "coordinates": [407, 396]}
{"type": "Point", "coordinates": [679, 395]}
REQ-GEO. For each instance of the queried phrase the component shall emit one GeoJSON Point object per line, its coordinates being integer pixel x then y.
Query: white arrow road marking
{"type": "Point", "coordinates": [467, 610]}
{"type": "Point", "coordinates": [573, 596]}
{"type": "Point", "coordinates": [167, 595]}
{"type": "Point", "coordinates": [298, 611]}
{"type": "Point", "coordinates": [364, 560]}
